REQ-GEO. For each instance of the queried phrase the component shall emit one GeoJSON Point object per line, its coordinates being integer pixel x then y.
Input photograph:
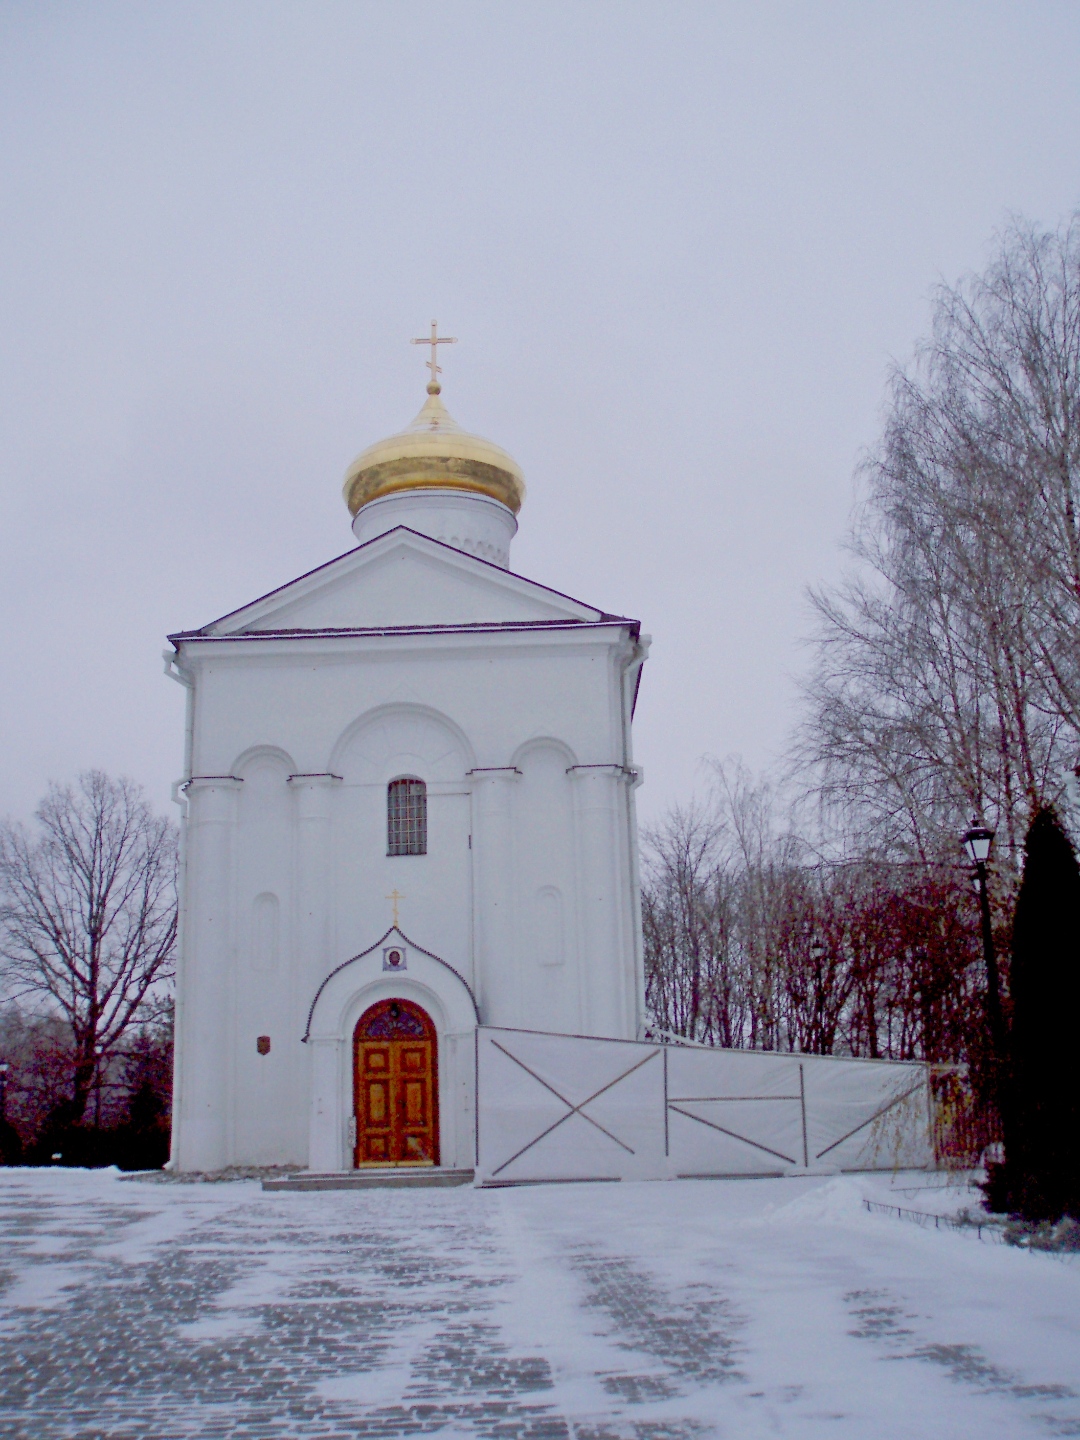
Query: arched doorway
{"type": "Point", "coordinates": [395, 1086]}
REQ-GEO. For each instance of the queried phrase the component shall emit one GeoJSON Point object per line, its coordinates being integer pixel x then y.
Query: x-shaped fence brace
{"type": "Point", "coordinates": [674, 1103]}
{"type": "Point", "coordinates": [896, 1100]}
{"type": "Point", "coordinates": [571, 1108]}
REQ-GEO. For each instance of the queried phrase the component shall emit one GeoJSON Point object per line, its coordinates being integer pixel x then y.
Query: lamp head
{"type": "Point", "coordinates": [977, 842]}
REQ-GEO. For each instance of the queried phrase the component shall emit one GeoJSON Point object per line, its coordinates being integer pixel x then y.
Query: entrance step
{"type": "Point", "coordinates": [407, 1177]}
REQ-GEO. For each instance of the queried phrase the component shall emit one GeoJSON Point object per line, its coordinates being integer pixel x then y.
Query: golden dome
{"type": "Point", "coordinates": [434, 452]}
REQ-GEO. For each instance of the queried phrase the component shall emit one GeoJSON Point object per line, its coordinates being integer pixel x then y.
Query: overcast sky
{"type": "Point", "coordinates": [679, 242]}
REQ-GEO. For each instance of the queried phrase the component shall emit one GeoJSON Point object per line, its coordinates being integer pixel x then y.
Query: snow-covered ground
{"type": "Point", "coordinates": [740, 1308]}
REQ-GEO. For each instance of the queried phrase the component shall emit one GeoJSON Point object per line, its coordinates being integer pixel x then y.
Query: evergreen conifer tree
{"type": "Point", "coordinates": [1041, 1174]}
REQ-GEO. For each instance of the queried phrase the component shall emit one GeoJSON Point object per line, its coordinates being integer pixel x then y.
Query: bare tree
{"type": "Point", "coordinates": [685, 926]}
{"type": "Point", "coordinates": [752, 941]}
{"type": "Point", "coordinates": [948, 676]}
{"type": "Point", "coordinates": [88, 916]}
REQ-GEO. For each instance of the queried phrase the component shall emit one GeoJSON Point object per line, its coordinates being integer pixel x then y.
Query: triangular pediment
{"type": "Point", "coordinates": [402, 579]}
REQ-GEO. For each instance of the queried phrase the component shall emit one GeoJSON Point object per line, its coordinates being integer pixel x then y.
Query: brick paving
{"type": "Point", "coordinates": [748, 1309]}
{"type": "Point", "coordinates": [254, 1316]}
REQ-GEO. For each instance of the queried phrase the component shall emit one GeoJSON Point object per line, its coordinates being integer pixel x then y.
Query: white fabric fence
{"type": "Point", "coordinates": [568, 1107]}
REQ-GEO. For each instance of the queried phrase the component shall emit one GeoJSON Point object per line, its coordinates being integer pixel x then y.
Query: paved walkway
{"type": "Point", "coordinates": [644, 1312]}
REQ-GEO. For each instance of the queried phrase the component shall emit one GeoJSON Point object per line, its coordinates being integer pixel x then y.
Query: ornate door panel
{"type": "Point", "coordinates": [396, 1086]}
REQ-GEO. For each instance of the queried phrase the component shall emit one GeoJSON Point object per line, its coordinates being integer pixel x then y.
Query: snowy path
{"type": "Point", "coordinates": [697, 1308]}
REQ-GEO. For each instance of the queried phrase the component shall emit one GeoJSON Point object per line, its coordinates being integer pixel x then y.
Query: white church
{"type": "Point", "coordinates": [410, 927]}
{"type": "Point", "coordinates": [408, 811]}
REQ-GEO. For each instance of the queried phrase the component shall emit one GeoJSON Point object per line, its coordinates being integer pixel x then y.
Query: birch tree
{"type": "Point", "coordinates": [947, 675]}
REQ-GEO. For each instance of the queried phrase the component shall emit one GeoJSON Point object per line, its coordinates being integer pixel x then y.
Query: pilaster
{"type": "Point", "coordinates": [314, 870]}
{"type": "Point", "coordinates": [496, 959]}
{"type": "Point", "coordinates": [313, 802]}
{"type": "Point", "coordinates": [207, 963]}
{"type": "Point", "coordinates": [603, 901]}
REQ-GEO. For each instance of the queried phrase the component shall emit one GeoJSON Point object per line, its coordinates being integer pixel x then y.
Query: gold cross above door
{"type": "Point", "coordinates": [394, 896]}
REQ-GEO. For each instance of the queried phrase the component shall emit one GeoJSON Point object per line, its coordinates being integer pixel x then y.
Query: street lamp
{"type": "Point", "coordinates": [4, 1068]}
{"type": "Point", "coordinates": [977, 842]}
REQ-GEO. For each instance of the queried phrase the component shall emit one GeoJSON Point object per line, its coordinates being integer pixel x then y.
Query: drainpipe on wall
{"type": "Point", "coordinates": [631, 674]}
{"type": "Point", "coordinates": [182, 677]}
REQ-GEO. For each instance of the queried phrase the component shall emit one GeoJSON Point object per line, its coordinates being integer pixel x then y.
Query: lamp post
{"type": "Point", "coordinates": [4, 1068]}
{"type": "Point", "coordinates": [815, 1022]}
{"type": "Point", "coordinates": [977, 841]}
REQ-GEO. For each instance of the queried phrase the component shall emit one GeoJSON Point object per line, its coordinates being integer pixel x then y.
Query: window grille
{"type": "Point", "coordinates": [406, 817]}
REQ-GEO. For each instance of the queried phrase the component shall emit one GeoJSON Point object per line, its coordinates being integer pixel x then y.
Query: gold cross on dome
{"type": "Point", "coordinates": [434, 340]}
{"type": "Point", "coordinates": [395, 895]}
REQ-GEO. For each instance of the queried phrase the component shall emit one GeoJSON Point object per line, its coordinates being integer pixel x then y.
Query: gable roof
{"type": "Point", "coordinates": [402, 580]}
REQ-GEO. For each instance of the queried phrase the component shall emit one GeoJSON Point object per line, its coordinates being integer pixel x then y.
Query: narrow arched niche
{"type": "Point", "coordinates": [265, 949]}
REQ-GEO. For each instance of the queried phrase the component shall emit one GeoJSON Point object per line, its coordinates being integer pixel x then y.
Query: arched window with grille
{"type": "Point", "coordinates": [406, 817]}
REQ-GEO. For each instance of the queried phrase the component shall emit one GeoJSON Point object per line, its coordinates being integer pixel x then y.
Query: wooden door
{"type": "Point", "coordinates": [396, 1086]}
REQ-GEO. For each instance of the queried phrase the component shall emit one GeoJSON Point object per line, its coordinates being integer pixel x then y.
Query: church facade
{"type": "Point", "coordinates": [408, 810]}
